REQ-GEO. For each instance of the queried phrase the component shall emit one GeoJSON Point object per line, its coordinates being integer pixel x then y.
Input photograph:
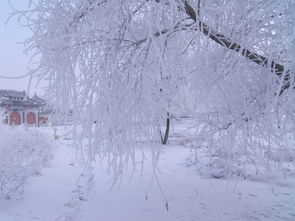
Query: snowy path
{"type": "Point", "coordinates": [55, 195]}
{"type": "Point", "coordinates": [190, 197]}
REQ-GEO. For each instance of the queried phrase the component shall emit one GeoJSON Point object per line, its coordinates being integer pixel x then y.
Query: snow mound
{"type": "Point", "coordinates": [23, 153]}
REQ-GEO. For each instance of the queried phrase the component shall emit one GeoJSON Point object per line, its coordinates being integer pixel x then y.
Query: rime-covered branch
{"type": "Point", "coordinates": [277, 68]}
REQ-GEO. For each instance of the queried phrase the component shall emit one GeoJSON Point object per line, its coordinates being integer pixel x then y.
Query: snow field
{"type": "Point", "coordinates": [62, 193]}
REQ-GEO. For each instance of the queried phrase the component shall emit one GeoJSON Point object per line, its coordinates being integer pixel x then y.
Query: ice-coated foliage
{"type": "Point", "coordinates": [23, 153]}
{"type": "Point", "coordinates": [123, 66]}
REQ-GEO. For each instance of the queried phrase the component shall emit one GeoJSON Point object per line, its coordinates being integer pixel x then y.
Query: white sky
{"type": "Point", "coordinates": [13, 61]}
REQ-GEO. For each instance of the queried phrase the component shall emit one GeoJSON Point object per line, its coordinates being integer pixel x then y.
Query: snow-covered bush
{"type": "Point", "coordinates": [242, 152]}
{"type": "Point", "coordinates": [23, 152]}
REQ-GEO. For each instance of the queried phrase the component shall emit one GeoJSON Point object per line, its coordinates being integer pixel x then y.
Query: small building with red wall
{"type": "Point", "coordinates": [17, 108]}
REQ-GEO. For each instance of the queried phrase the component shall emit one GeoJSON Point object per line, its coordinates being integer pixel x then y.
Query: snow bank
{"type": "Point", "coordinates": [23, 152]}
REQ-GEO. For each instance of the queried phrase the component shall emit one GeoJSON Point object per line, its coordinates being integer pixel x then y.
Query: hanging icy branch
{"type": "Point", "coordinates": [221, 39]}
{"type": "Point", "coordinates": [277, 68]}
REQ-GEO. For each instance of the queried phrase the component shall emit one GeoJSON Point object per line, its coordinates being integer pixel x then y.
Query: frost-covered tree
{"type": "Point", "coordinates": [126, 67]}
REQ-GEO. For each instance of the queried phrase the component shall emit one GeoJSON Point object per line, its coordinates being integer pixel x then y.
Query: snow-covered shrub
{"type": "Point", "coordinates": [23, 152]}
{"type": "Point", "coordinates": [259, 146]}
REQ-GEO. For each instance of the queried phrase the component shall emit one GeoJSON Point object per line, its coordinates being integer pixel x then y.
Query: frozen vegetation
{"type": "Point", "coordinates": [128, 69]}
{"type": "Point", "coordinates": [23, 153]}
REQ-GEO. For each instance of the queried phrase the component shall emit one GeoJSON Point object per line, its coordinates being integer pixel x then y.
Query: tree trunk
{"type": "Point", "coordinates": [165, 139]}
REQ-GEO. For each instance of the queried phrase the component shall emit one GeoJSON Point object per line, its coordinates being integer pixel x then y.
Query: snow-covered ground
{"type": "Point", "coordinates": [58, 195]}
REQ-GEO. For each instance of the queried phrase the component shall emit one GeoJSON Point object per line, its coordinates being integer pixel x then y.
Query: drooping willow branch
{"type": "Point", "coordinates": [277, 68]}
{"type": "Point", "coordinates": [219, 38]}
